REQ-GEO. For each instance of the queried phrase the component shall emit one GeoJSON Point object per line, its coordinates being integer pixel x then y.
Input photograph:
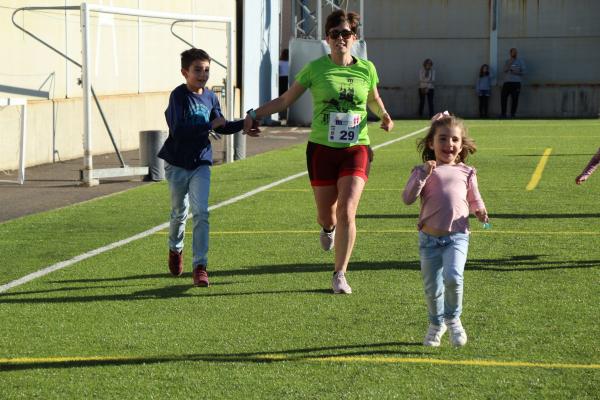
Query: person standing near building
{"type": "Point", "coordinates": [484, 89]}
{"type": "Point", "coordinates": [284, 71]}
{"type": "Point", "coordinates": [514, 70]}
{"type": "Point", "coordinates": [426, 81]}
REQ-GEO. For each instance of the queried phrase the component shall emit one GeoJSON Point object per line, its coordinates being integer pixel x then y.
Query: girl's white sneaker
{"type": "Point", "coordinates": [458, 336]}
{"type": "Point", "coordinates": [434, 335]}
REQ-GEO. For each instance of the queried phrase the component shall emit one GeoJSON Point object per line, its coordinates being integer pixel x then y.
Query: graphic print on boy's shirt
{"type": "Point", "coordinates": [197, 113]}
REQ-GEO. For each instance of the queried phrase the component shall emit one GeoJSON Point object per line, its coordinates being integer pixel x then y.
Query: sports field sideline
{"type": "Point", "coordinates": [116, 325]}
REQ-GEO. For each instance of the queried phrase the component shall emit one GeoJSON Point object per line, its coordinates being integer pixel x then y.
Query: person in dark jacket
{"type": "Point", "coordinates": [193, 112]}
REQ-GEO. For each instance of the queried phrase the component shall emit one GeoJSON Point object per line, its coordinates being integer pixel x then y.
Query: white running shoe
{"type": "Point", "coordinates": [327, 239]}
{"type": "Point", "coordinates": [458, 336]}
{"type": "Point", "coordinates": [339, 284]}
{"type": "Point", "coordinates": [434, 335]}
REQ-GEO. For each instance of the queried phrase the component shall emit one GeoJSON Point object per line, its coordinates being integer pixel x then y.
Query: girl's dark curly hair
{"type": "Point", "coordinates": [450, 121]}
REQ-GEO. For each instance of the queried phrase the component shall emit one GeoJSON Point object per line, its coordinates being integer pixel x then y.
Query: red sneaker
{"type": "Point", "coordinates": [175, 262]}
{"type": "Point", "coordinates": [200, 276]}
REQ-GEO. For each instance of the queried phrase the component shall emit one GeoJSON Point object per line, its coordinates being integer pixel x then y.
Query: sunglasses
{"type": "Point", "coordinates": [334, 34]}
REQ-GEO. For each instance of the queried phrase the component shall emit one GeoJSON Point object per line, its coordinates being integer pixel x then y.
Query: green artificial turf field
{"type": "Point", "coordinates": [117, 325]}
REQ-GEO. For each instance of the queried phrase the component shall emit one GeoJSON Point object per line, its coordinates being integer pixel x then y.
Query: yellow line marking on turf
{"type": "Point", "coordinates": [537, 174]}
{"type": "Point", "coordinates": [476, 363]}
{"type": "Point", "coordinates": [293, 232]}
{"type": "Point", "coordinates": [487, 232]}
{"type": "Point", "coordinates": [5, 362]}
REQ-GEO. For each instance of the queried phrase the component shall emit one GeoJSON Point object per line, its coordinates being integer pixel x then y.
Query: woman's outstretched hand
{"type": "Point", "coordinates": [251, 127]}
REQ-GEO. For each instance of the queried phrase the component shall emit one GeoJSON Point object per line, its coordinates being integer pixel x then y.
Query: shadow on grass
{"type": "Point", "coordinates": [526, 263]}
{"type": "Point", "coordinates": [270, 270]}
{"type": "Point", "coordinates": [492, 216]}
{"type": "Point", "coordinates": [315, 354]}
{"type": "Point", "coordinates": [162, 293]}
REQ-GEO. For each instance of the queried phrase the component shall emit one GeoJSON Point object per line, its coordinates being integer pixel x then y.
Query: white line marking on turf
{"type": "Point", "coordinates": [151, 231]}
{"type": "Point", "coordinates": [400, 138]}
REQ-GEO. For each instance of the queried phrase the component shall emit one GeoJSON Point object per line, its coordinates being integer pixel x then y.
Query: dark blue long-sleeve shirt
{"type": "Point", "coordinates": [188, 116]}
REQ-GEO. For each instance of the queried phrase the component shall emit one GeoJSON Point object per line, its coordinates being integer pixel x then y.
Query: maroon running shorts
{"type": "Point", "coordinates": [327, 164]}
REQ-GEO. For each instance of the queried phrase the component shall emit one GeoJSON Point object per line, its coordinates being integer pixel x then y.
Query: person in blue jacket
{"type": "Point", "coordinates": [193, 112]}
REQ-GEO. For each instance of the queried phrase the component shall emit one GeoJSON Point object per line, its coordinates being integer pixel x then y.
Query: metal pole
{"type": "Point", "coordinates": [229, 90]}
{"type": "Point", "coordinates": [110, 135]}
{"type": "Point", "coordinates": [23, 142]}
{"type": "Point", "coordinates": [139, 55]}
{"type": "Point", "coordinates": [493, 60]}
{"type": "Point", "coordinates": [319, 20]}
{"type": "Point", "coordinates": [361, 32]}
{"type": "Point", "coordinates": [87, 109]}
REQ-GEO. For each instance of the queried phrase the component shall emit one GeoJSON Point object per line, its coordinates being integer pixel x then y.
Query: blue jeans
{"type": "Point", "coordinates": [189, 189]}
{"type": "Point", "coordinates": [442, 266]}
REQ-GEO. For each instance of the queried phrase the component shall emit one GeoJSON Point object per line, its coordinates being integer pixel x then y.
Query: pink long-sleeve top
{"type": "Point", "coordinates": [592, 165]}
{"type": "Point", "coordinates": [447, 196]}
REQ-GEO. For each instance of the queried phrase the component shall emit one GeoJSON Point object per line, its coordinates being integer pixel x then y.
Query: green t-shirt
{"type": "Point", "coordinates": [338, 89]}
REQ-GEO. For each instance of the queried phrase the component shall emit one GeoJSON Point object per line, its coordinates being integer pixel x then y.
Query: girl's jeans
{"type": "Point", "coordinates": [442, 265]}
{"type": "Point", "coordinates": [189, 189]}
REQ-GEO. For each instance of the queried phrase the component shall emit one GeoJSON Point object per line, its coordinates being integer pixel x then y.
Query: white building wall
{"type": "Point", "coordinates": [559, 40]}
{"type": "Point", "coordinates": [131, 73]}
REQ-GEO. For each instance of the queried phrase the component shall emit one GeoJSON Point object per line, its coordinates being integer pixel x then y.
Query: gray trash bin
{"type": "Point", "coordinates": [150, 144]}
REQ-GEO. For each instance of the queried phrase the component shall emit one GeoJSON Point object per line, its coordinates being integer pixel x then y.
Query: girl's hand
{"type": "Point", "coordinates": [429, 166]}
{"type": "Point", "coordinates": [580, 179]}
{"type": "Point", "coordinates": [386, 122]}
{"type": "Point", "coordinates": [482, 215]}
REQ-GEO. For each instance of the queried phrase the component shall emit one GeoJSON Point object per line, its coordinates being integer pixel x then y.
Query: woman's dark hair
{"type": "Point", "coordinates": [339, 17]}
{"type": "Point", "coordinates": [191, 55]}
{"type": "Point", "coordinates": [450, 121]}
{"type": "Point", "coordinates": [428, 61]}
{"type": "Point", "coordinates": [481, 73]}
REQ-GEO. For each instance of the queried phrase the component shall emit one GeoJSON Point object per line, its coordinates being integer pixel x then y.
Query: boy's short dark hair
{"type": "Point", "coordinates": [191, 55]}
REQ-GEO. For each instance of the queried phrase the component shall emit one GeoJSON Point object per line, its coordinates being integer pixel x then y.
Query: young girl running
{"type": "Point", "coordinates": [448, 191]}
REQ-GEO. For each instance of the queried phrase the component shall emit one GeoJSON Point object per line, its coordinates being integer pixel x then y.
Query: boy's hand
{"type": "Point", "coordinates": [251, 127]}
{"type": "Point", "coordinates": [482, 215]}
{"type": "Point", "coordinates": [386, 122]}
{"type": "Point", "coordinates": [429, 166]}
{"type": "Point", "coordinates": [218, 122]}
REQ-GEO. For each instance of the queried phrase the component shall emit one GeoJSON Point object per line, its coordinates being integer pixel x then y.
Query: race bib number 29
{"type": "Point", "coordinates": [344, 127]}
